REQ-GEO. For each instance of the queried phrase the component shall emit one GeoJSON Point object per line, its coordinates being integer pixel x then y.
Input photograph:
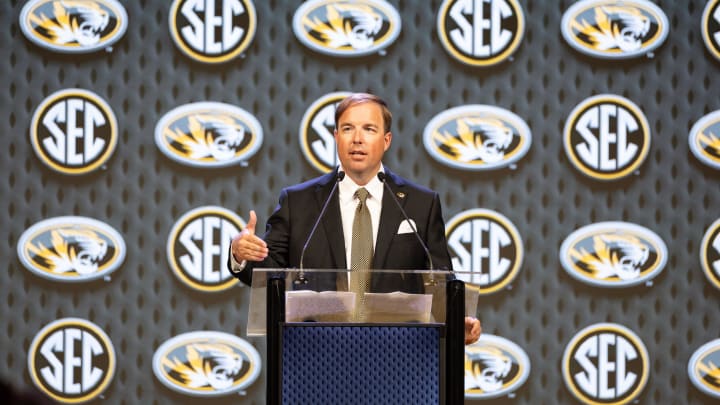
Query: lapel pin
{"type": "Point", "coordinates": [400, 194]}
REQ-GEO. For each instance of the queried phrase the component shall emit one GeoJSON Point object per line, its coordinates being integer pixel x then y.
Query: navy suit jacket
{"type": "Point", "coordinates": [299, 207]}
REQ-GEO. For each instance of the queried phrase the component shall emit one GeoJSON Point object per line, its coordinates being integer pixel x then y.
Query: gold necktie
{"type": "Point", "coordinates": [362, 252]}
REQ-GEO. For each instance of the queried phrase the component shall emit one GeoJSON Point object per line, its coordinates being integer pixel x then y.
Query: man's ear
{"type": "Point", "coordinates": [388, 140]}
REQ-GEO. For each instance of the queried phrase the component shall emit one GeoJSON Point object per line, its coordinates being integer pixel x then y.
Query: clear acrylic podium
{"type": "Point", "coordinates": [402, 342]}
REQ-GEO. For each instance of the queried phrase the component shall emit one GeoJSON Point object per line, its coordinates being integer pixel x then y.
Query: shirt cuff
{"type": "Point", "coordinates": [236, 267]}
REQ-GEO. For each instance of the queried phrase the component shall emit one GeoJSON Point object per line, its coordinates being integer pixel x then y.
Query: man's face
{"type": "Point", "coordinates": [361, 141]}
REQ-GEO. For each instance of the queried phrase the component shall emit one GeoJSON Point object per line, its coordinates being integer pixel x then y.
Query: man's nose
{"type": "Point", "coordinates": [357, 137]}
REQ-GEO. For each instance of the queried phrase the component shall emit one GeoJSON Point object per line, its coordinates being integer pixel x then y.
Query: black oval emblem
{"type": "Point", "coordinates": [73, 26]}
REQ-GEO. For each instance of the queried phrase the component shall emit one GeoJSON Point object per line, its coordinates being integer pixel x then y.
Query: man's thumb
{"type": "Point", "coordinates": [250, 227]}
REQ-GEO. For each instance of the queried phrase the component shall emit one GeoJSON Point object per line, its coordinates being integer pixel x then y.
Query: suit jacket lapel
{"type": "Point", "coordinates": [331, 221]}
{"type": "Point", "coordinates": [390, 218]}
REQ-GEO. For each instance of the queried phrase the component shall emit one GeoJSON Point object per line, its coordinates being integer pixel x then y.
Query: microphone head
{"type": "Point", "coordinates": [340, 176]}
{"type": "Point", "coordinates": [381, 177]}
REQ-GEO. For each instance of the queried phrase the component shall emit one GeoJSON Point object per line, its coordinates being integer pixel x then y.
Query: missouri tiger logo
{"type": "Point", "coordinates": [613, 254]}
{"type": "Point", "coordinates": [607, 137]}
{"type": "Point", "coordinates": [74, 131]}
{"type": "Point", "coordinates": [346, 28]}
{"type": "Point", "coordinates": [212, 31]}
{"type": "Point", "coordinates": [494, 367]}
{"type": "Point", "coordinates": [615, 29]}
{"type": "Point", "coordinates": [71, 360]}
{"type": "Point", "coordinates": [606, 363]}
{"type": "Point", "coordinates": [704, 139]}
{"type": "Point", "coordinates": [208, 134]}
{"type": "Point", "coordinates": [206, 364]}
{"type": "Point", "coordinates": [488, 245]}
{"type": "Point", "coordinates": [710, 253]}
{"type": "Point", "coordinates": [316, 132]}
{"type": "Point", "coordinates": [198, 247]}
{"type": "Point", "coordinates": [711, 27]}
{"type": "Point", "coordinates": [704, 368]}
{"type": "Point", "coordinates": [481, 33]}
{"type": "Point", "coordinates": [477, 137]}
{"type": "Point", "coordinates": [71, 249]}
{"type": "Point", "coordinates": [73, 26]}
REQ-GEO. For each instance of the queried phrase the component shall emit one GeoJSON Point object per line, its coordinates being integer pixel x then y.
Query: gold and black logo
{"type": "Point", "coordinates": [208, 134]}
{"type": "Point", "coordinates": [198, 247]}
{"type": "Point", "coordinates": [487, 244]}
{"type": "Point", "coordinates": [73, 26]}
{"type": "Point", "coordinates": [494, 367]}
{"type": "Point", "coordinates": [710, 253]}
{"type": "Point", "coordinates": [212, 31]}
{"type": "Point", "coordinates": [613, 254]}
{"type": "Point", "coordinates": [606, 363]}
{"type": "Point", "coordinates": [206, 364]}
{"type": "Point", "coordinates": [316, 132]}
{"type": "Point", "coordinates": [481, 33]}
{"type": "Point", "coordinates": [347, 28]}
{"type": "Point", "coordinates": [607, 137]}
{"type": "Point", "coordinates": [711, 27]}
{"type": "Point", "coordinates": [615, 29]}
{"type": "Point", "coordinates": [71, 360]}
{"type": "Point", "coordinates": [704, 368]}
{"type": "Point", "coordinates": [704, 139]}
{"type": "Point", "coordinates": [71, 249]}
{"type": "Point", "coordinates": [477, 137]}
{"type": "Point", "coordinates": [74, 131]}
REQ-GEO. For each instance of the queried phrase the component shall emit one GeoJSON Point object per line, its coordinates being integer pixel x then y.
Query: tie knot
{"type": "Point", "coordinates": [362, 194]}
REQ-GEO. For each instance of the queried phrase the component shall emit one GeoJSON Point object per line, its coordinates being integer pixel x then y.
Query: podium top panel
{"type": "Point", "coordinates": [322, 295]}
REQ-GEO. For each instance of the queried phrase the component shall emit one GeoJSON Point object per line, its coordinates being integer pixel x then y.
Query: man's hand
{"type": "Point", "coordinates": [472, 330]}
{"type": "Point", "coordinates": [247, 246]}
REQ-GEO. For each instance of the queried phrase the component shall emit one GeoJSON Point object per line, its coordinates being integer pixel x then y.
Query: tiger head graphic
{"type": "Point", "coordinates": [73, 22]}
{"type": "Point", "coordinates": [614, 255]}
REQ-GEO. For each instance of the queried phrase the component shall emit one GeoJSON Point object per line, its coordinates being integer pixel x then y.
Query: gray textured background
{"type": "Point", "coordinates": [142, 193]}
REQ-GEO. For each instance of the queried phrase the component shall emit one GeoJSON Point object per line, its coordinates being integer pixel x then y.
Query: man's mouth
{"type": "Point", "coordinates": [357, 153]}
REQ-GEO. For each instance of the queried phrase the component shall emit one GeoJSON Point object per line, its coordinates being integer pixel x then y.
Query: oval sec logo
{"type": "Point", "coordinates": [317, 139]}
{"type": "Point", "coordinates": [480, 33]}
{"type": "Point", "coordinates": [711, 27]}
{"type": "Point", "coordinates": [206, 363]}
{"type": "Point", "coordinates": [704, 139]}
{"type": "Point", "coordinates": [477, 137]}
{"type": "Point", "coordinates": [488, 245]}
{"type": "Point", "coordinates": [208, 134]}
{"type": "Point", "coordinates": [345, 28]}
{"type": "Point", "coordinates": [198, 247]}
{"type": "Point", "coordinates": [494, 367]}
{"type": "Point", "coordinates": [212, 31]}
{"type": "Point", "coordinates": [710, 253]}
{"type": "Point", "coordinates": [71, 249]}
{"type": "Point", "coordinates": [607, 137]}
{"type": "Point", "coordinates": [613, 254]}
{"type": "Point", "coordinates": [614, 29]}
{"type": "Point", "coordinates": [74, 131]}
{"type": "Point", "coordinates": [704, 368]}
{"type": "Point", "coordinates": [73, 26]}
{"type": "Point", "coordinates": [71, 360]}
{"type": "Point", "coordinates": [606, 363]}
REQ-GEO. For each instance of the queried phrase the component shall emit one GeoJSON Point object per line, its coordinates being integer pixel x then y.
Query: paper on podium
{"type": "Point", "coordinates": [324, 306]}
{"type": "Point", "coordinates": [397, 307]}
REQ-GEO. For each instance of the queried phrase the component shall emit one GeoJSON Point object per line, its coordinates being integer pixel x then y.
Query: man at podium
{"type": "Point", "coordinates": [348, 219]}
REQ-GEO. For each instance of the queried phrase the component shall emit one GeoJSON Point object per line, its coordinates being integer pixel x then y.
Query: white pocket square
{"type": "Point", "coordinates": [406, 227]}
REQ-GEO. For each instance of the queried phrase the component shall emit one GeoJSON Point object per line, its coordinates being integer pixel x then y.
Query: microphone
{"type": "Point", "coordinates": [381, 176]}
{"type": "Point", "coordinates": [301, 276]}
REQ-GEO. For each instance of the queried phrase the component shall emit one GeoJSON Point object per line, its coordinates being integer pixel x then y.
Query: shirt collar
{"type": "Point", "coordinates": [348, 186]}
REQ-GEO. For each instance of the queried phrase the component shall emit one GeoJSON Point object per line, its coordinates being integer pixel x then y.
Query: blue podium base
{"type": "Point", "coordinates": [360, 363]}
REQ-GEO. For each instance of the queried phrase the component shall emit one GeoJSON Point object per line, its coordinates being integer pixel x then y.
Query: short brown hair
{"type": "Point", "coordinates": [359, 98]}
